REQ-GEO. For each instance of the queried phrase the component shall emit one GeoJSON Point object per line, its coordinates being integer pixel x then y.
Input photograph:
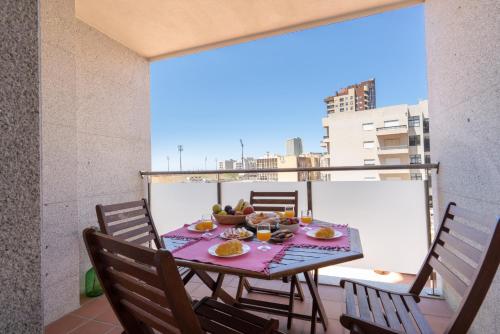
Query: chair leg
{"type": "Point", "coordinates": [291, 300]}
{"type": "Point", "coordinates": [300, 291]}
{"type": "Point", "coordinates": [239, 292]}
{"type": "Point", "coordinates": [246, 284]}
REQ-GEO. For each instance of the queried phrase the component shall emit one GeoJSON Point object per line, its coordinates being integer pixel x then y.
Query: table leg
{"type": "Point", "coordinates": [212, 285]}
{"type": "Point", "coordinates": [218, 286]}
{"type": "Point", "coordinates": [312, 284]}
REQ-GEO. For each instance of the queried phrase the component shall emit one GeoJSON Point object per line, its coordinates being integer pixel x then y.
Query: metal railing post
{"type": "Point", "coordinates": [309, 195]}
{"type": "Point", "coordinates": [433, 277]}
{"type": "Point", "coordinates": [149, 193]}
{"type": "Point", "coordinates": [219, 190]}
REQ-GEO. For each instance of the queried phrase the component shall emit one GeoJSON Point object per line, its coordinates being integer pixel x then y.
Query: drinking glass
{"type": "Point", "coordinates": [264, 234]}
{"type": "Point", "coordinates": [289, 212]}
{"type": "Point", "coordinates": [207, 219]}
{"type": "Point", "coordinates": [306, 218]}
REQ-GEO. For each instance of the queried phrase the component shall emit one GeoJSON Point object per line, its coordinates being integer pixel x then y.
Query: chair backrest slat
{"type": "Point", "coordinates": [448, 256]}
{"type": "Point", "coordinates": [138, 287]}
{"type": "Point", "coordinates": [466, 257]}
{"type": "Point", "coordinates": [274, 201]}
{"type": "Point", "coordinates": [141, 297]}
{"type": "Point", "coordinates": [130, 221]}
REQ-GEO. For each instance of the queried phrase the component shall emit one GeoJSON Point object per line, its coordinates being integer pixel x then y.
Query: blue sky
{"type": "Point", "coordinates": [272, 89]}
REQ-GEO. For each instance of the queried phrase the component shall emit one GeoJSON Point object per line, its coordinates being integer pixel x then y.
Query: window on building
{"type": "Point", "coordinates": [368, 144]}
{"type": "Point", "coordinates": [427, 144]}
{"type": "Point", "coordinates": [415, 159]}
{"type": "Point", "coordinates": [369, 162]}
{"type": "Point", "coordinates": [427, 159]}
{"type": "Point", "coordinates": [414, 121]}
{"type": "Point", "coordinates": [426, 125]}
{"type": "Point", "coordinates": [394, 122]}
{"type": "Point", "coordinates": [368, 126]}
{"type": "Point", "coordinates": [416, 176]}
{"type": "Point", "coordinates": [341, 109]}
{"type": "Point", "coordinates": [414, 140]}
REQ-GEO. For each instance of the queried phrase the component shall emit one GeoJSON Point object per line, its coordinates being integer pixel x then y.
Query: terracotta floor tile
{"type": "Point", "coordinates": [438, 324]}
{"type": "Point", "coordinates": [435, 307]}
{"type": "Point", "coordinates": [92, 327]}
{"type": "Point", "coordinates": [109, 317]}
{"type": "Point", "coordinates": [115, 330]}
{"type": "Point", "coordinates": [64, 324]}
{"type": "Point", "coordinates": [93, 308]}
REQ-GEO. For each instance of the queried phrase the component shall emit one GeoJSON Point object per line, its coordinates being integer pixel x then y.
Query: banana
{"type": "Point", "coordinates": [239, 206]}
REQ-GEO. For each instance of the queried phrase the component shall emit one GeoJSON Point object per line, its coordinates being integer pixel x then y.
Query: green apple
{"type": "Point", "coordinates": [216, 208]}
{"type": "Point", "coordinates": [223, 213]}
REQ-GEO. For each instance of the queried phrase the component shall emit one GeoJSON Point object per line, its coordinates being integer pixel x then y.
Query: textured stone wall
{"type": "Point", "coordinates": [96, 138]}
{"type": "Point", "coordinates": [463, 51]}
{"type": "Point", "coordinates": [19, 169]}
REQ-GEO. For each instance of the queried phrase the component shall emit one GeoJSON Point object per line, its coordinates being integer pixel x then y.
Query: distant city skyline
{"type": "Point", "coordinates": [267, 91]}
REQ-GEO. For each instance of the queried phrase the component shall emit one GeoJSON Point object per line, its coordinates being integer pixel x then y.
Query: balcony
{"type": "Point", "coordinates": [392, 150]}
{"type": "Point", "coordinates": [95, 136]}
{"type": "Point", "coordinates": [392, 130]}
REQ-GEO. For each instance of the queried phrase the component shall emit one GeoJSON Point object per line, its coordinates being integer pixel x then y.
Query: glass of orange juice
{"type": "Point", "coordinates": [207, 224]}
{"type": "Point", "coordinates": [306, 218]}
{"type": "Point", "coordinates": [264, 234]}
{"type": "Point", "coordinates": [289, 212]}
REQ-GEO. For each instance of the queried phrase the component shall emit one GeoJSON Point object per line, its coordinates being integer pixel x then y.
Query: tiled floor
{"type": "Point", "coordinates": [96, 317]}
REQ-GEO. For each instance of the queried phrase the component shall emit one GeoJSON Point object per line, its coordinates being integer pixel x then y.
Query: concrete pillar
{"type": "Point", "coordinates": [463, 52]}
{"type": "Point", "coordinates": [20, 297]}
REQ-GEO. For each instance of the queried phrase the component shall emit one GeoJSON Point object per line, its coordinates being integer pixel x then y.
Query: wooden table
{"type": "Point", "coordinates": [297, 260]}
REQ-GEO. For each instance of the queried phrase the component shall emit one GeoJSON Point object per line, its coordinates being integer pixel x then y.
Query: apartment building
{"type": "Point", "coordinates": [227, 164]}
{"type": "Point", "coordinates": [248, 163]}
{"type": "Point", "coordinates": [384, 136]}
{"type": "Point", "coordinates": [305, 160]}
{"type": "Point", "coordinates": [294, 146]}
{"type": "Point", "coordinates": [357, 97]}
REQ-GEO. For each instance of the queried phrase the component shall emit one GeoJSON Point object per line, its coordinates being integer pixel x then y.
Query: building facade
{"type": "Point", "coordinates": [294, 146]}
{"type": "Point", "coordinates": [391, 135]}
{"type": "Point", "coordinates": [357, 97]}
{"type": "Point", "coordinates": [227, 164]}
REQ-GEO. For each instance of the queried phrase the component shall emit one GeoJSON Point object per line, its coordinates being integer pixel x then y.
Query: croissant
{"type": "Point", "coordinates": [230, 247]}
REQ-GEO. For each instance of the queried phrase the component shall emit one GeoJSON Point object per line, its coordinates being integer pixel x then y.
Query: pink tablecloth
{"type": "Point", "coordinates": [302, 240]}
{"type": "Point", "coordinates": [255, 260]}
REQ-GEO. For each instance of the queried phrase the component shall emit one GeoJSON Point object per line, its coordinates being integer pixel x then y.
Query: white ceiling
{"type": "Point", "coordinates": [163, 28]}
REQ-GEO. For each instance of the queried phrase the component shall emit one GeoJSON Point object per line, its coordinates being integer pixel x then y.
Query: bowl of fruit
{"type": "Point", "coordinates": [232, 215]}
{"type": "Point", "coordinates": [289, 224]}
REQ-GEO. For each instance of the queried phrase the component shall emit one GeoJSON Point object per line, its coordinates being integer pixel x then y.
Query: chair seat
{"type": "Point", "coordinates": [220, 318]}
{"type": "Point", "coordinates": [373, 310]}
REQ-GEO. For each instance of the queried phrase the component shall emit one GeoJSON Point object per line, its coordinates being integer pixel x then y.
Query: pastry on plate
{"type": "Point", "coordinates": [230, 247]}
{"type": "Point", "coordinates": [325, 233]}
{"type": "Point", "coordinates": [204, 226]}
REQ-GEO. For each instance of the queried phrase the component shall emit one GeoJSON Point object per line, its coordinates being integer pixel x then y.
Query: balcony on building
{"type": "Point", "coordinates": [76, 93]}
{"type": "Point", "coordinates": [392, 150]}
{"type": "Point", "coordinates": [392, 130]}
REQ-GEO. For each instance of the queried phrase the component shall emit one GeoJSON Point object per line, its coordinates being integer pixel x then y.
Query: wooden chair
{"type": "Point", "coordinates": [465, 257]}
{"type": "Point", "coordinates": [146, 292]}
{"type": "Point", "coordinates": [272, 202]}
{"type": "Point", "coordinates": [133, 222]}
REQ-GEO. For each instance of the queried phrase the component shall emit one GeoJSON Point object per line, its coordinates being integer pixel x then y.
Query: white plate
{"type": "Point", "coordinates": [250, 234]}
{"type": "Point", "coordinates": [211, 251]}
{"type": "Point", "coordinates": [192, 228]}
{"type": "Point", "coordinates": [312, 234]}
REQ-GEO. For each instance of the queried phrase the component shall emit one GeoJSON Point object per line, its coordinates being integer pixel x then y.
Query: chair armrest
{"type": "Point", "coordinates": [360, 326]}
{"type": "Point", "coordinates": [343, 281]}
